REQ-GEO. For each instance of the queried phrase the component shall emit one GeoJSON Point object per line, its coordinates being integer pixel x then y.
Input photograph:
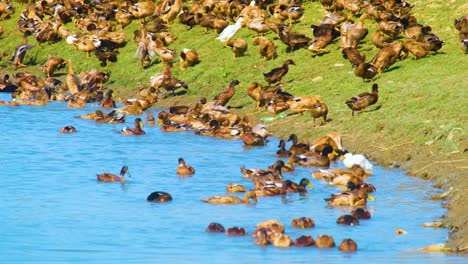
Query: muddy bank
{"type": "Point", "coordinates": [447, 172]}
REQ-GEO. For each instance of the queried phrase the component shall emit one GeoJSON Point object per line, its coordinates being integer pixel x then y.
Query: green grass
{"type": "Point", "coordinates": [422, 101]}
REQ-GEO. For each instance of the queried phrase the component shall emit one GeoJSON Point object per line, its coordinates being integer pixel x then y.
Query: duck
{"type": "Point", "coordinates": [304, 241]}
{"type": "Point", "coordinates": [251, 138]}
{"type": "Point", "coordinates": [276, 74]}
{"type": "Point", "coordinates": [142, 9]}
{"type": "Point", "coordinates": [73, 82]}
{"type": "Point", "coordinates": [353, 56]}
{"type": "Point", "coordinates": [234, 187]}
{"type": "Point", "coordinates": [215, 228]}
{"type": "Point", "coordinates": [92, 116]}
{"type": "Point", "coordinates": [136, 130]}
{"type": "Point", "coordinates": [347, 245]}
{"type": "Point", "coordinates": [255, 172]}
{"type": "Point", "coordinates": [349, 160]}
{"type": "Point", "coordinates": [223, 98]}
{"type": "Point", "coordinates": [319, 110]}
{"type": "Point", "coordinates": [236, 231]}
{"type": "Point", "coordinates": [108, 101]}
{"type": "Point", "coordinates": [271, 224]}
{"type": "Point", "coordinates": [293, 40]}
{"type": "Point", "coordinates": [229, 31]}
{"type": "Point", "coordinates": [187, 18]}
{"type": "Point", "coordinates": [267, 47]}
{"type": "Point", "coordinates": [109, 177]}
{"type": "Point", "coordinates": [303, 104]}
{"type": "Point", "coordinates": [363, 100]}
{"type": "Point", "coordinates": [461, 24]}
{"type": "Point", "coordinates": [292, 187]}
{"type": "Point", "coordinates": [188, 58]}
{"type": "Point", "coordinates": [184, 169]}
{"type": "Point", "coordinates": [356, 197]}
{"type": "Point", "coordinates": [347, 220]}
{"type": "Point", "coordinates": [20, 52]}
{"type": "Point", "coordinates": [297, 147]}
{"type": "Point", "coordinates": [325, 241]}
{"type": "Point", "coordinates": [238, 47]}
{"type": "Point", "coordinates": [68, 130]}
{"type": "Point", "coordinates": [159, 197]}
{"type": "Point", "coordinates": [366, 70]}
{"type": "Point", "coordinates": [132, 108]}
{"type": "Point", "coordinates": [114, 117]}
{"type": "Point", "coordinates": [360, 213]}
{"type": "Point", "coordinates": [314, 159]}
{"type": "Point", "coordinates": [340, 176]}
{"type": "Point", "coordinates": [230, 199]}
{"type": "Point", "coordinates": [52, 64]}
{"type": "Point", "coordinates": [332, 138]}
{"type": "Point", "coordinates": [280, 240]}
{"type": "Point", "coordinates": [282, 152]}
{"type": "Point", "coordinates": [303, 222]}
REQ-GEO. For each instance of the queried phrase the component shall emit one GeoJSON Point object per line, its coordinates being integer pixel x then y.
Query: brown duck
{"type": "Point", "coordinates": [363, 100]}
{"type": "Point", "coordinates": [276, 74]}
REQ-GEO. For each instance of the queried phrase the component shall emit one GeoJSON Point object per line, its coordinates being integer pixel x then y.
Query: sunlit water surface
{"type": "Point", "coordinates": [54, 211]}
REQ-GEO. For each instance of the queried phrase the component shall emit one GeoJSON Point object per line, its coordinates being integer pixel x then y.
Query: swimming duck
{"type": "Point", "coordinates": [272, 224]}
{"type": "Point", "coordinates": [340, 176]}
{"type": "Point", "coordinates": [297, 147]}
{"type": "Point", "coordinates": [159, 197]}
{"type": "Point", "coordinates": [136, 130]}
{"type": "Point", "coordinates": [350, 159]}
{"type": "Point", "coordinates": [360, 213]}
{"type": "Point", "coordinates": [230, 199]}
{"type": "Point", "coordinates": [276, 74]}
{"type": "Point", "coordinates": [215, 228]}
{"type": "Point", "coordinates": [303, 222]}
{"type": "Point", "coordinates": [92, 116]}
{"type": "Point", "coordinates": [255, 172]}
{"type": "Point", "coordinates": [233, 187]}
{"type": "Point", "coordinates": [315, 159]}
{"type": "Point", "coordinates": [236, 231]}
{"type": "Point", "coordinates": [325, 241]}
{"type": "Point", "coordinates": [109, 177]}
{"type": "Point", "coordinates": [132, 108]}
{"type": "Point", "coordinates": [252, 139]}
{"type": "Point", "coordinates": [184, 169]}
{"type": "Point", "coordinates": [304, 241]}
{"type": "Point", "coordinates": [280, 240]}
{"type": "Point", "coordinates": [292, 187]}
{"type": "Point", "coordinates": [68, 130]}
{"type": "Point", "coordinates": [114, 117]}
{"type": "Point", "coordinates": [282, 152]}
{"type": "Point", "coordinates": [108, 101]}
{"type": "Point", "coordinates": [347, 220]}
{"type": "Point", "coordinates": [348, 245]}
{"type": "Point", "coordinates": [363, 100]}
{"type": "Point", "coordinates": [355, 197]}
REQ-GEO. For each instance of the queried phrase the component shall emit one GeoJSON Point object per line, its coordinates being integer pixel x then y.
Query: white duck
{"type": "Point", "coordinates": [230, 30]}
{"type": "Point", "coordinates": [350, 159]}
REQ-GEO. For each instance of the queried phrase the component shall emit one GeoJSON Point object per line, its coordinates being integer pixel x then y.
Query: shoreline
{"type": "Point", "coordinates": [443, 172]}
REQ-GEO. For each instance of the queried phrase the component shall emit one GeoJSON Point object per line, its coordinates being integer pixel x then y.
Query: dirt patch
{"type": "Point", "coordinates": [447, 172]}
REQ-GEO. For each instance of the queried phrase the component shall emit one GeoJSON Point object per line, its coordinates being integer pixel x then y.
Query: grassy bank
{"type": "Point", "coordinates": [420, 125]}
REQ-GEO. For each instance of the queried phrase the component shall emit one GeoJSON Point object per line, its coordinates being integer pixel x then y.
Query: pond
{"type": "Point", "coordinates": [54, 210]}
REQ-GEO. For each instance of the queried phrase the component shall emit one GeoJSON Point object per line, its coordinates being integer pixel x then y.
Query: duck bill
{"type": "Point", "coordinates": [370, 197]}
{"type": "Point", "coordinates": [142, 124]}
{"type": "Point", "coordinates": [160, 122]}
{"type": "Point", "coordinates": [310, 186]}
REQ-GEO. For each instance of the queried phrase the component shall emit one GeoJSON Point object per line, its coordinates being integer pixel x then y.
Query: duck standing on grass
{"type": "Point", "coordinates": [127, 131]}
{"type": "Point", "coordinates": [363, 100]}
{"type": "Point", "coordinates": [229, 31]}
{"type": "Point", "coordinates": [276, 74]}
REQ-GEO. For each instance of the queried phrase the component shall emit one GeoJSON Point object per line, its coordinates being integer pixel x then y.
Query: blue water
{"type": "Point", "coordinates": [54, 211]}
